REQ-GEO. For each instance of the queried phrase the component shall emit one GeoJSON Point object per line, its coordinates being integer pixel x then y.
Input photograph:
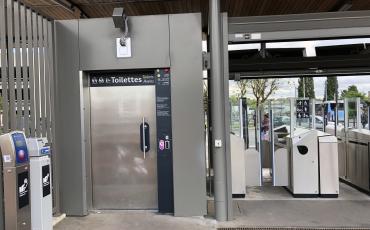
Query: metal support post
{"type": "Point", "coordinates": [241, 118]}
{"type": "Point", "coordinates": [292, 116]}
{"type": "Point", "coordinates": [346, 114]}
{"type": "Point", "coordinates": [313, 113]}
{"type": "Point", "coordinates": [358, 113]}
{"type": "Point", "coordinates": [218, 114]}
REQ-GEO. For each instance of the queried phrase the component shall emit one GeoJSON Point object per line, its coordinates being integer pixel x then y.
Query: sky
{"type": "Point", "coordinates": [288, 87]}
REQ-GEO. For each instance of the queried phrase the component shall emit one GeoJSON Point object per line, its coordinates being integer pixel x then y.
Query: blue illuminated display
{"type": "Point", "coordinates": [21, 151]}
{"type": "Point", "coordinates": [45, 151]}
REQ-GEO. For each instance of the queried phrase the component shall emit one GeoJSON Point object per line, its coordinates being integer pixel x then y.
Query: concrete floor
{"type": "Point", "coordinates": [263, 207]}
{"type": "Point", "coordinates": [280, 193]}
{"type": "Point", "coordinates": [134, 220]}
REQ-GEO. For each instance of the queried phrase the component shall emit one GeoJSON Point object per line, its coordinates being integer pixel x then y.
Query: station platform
{"type": "Point", "coordinates": [266, 207]}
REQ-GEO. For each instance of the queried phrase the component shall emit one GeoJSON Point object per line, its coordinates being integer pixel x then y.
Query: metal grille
{"type": "Point", "coordinates": [27, 73]}
{"type": "Point", "coordinates": [26, 70]}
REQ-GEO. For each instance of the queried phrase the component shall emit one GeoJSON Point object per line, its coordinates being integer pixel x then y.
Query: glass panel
{"type": "Point", "coordinates": [364, 110]}
{"type": "Point", "coordinates": [340, 113]}
{"type": "Point", "coordinates": [281, 120]}
{"type": "Point", "coordinates": [302, 121]}
{"type": "Point", "coordinates": [235, 118]}
{"type": "Point", "coordinates": [319, 115]}
{"type": "Point", "coordinates": [252, 131]}
{"type": "Point", "coordinates": [330, 113]}
{"type": "Point", "coordinates": [352, 113]}
{"type": "Point", "coordinates": [266, 151]}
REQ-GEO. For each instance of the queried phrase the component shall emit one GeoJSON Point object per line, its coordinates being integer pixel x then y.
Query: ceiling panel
{"type": "Point", "coordinates": [104, 8]}
{"type": "Point", "coordinates": [360, 5]}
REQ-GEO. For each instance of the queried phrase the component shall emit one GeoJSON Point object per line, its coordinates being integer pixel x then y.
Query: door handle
{"type": "Point", "coordinates": [144, 137]}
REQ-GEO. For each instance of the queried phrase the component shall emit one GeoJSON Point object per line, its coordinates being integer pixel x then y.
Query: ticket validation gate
{"type": "Point", "coordinates": [124, 157]}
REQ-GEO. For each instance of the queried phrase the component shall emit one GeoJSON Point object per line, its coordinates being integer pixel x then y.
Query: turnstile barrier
{"type": "Point", "coordinates": [16, 181]}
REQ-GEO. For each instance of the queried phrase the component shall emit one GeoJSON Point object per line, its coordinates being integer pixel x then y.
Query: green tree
{"type": "Point", "coordinates": [243, 86]}
{"type": "Point", "coordinates": [352, 92]}
{"type": "Point", "coordinates": [306, 87]}
{"type": "Point", "coordinates": [234, 99]}
{"type": "Point", "coordinates": [262, 89]}
{"type": "Point", "coordinates": [251, 103]}
{"type": "Point", "coordinates": [331, 88]}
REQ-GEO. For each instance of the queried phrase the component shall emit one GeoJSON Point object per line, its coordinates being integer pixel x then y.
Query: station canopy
{"type": "Point", "coordinates": [72, 9]}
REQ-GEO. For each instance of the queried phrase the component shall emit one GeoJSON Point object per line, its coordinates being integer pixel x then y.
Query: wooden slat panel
{"type": "Point", "coordinates": [4, 72]}
{"type": "Point", "coordinates": [38, 2]}
{"type": "Point", "coordinates": [11, 85]}
{"type": "Point", "coordinates": [30, 54]}
{"type": "Point", "coordinates": [104, 8]}
{"type": "Point", "coordinates": [19, 106]}
{"type": "Point", "coordinates": [25, 70]}
{"type": "Point", "coordinates": [360, 5]}
{"type": "Point", "coordinates": [54, 12]}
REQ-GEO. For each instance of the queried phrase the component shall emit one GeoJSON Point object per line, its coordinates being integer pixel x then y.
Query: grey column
{"type": "Point", "coordinates": [218, 113]}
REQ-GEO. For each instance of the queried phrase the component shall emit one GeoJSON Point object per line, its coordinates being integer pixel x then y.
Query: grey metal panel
{"type": "Point", "coordinates": [363, 166]}
{"type": "Point", "coordinates": [351, 162]}
{"type": "Point", "coordinates": [17, 50]}
{"type": "Point", "coordinates": [51, 120]}
{"type": "Point", "coordinates": [311, 34]}
{"type": "Point", "coordinates": [300, 22]}
{"type": "Point", "coordinates": [302, 26]}
{"type": "Point", "coordinates": [24, 70]}
{"type": "Point", "coordinates": [4, 78]}
{"type": "Point", "coordinates": [342, 158]}
{"type": "Point", "coordinates": [30, 54]}
{"type": "Point", "coordinates": [46, 119]}
{"type": "Point", "coordinates": [35, 110]}
{"type": "Point", "coordinates": [51, 90]}
{"type": "Point", "coordinates": [71, 155]}
{"type": "Point", "coordinates": [39, 79]}
{"type": "Point", "coordinates": [11, 84]}
{"type": "Point", "coordinates": [123, 178]}
{"type": "Point", "coordinates": [225, 29]}
{"type": "Point", "coordinates": [302, 17]}
{"type": "Point", "coordinates": [4, 72]}
{"type": "Point", "coordinates": [187, 115]}
{"type": "Point", "coordinates": [43, 75]}
{"type": "Point", "coordinates": [149, 36]}
{"type": "Point", "coordinates": [87, 131]}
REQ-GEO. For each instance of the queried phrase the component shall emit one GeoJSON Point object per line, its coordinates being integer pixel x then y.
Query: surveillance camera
{"type": "Point", "coordinates": [120, 20]}
{"type": "Point", "coordinates": [119, 16]}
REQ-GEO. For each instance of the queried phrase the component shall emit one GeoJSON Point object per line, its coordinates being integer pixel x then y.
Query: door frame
{"type": "Point", "coordinates": [164, 131]}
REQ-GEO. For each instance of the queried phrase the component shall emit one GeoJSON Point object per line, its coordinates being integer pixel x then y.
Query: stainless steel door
{"type": "Point", "coordinates": [124, 176]}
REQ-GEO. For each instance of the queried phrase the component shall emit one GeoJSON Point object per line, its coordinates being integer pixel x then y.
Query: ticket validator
{"type": "Point", "coordinates": [41, 195]}
{"type": "Point", "coordinates": [16, 181]}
